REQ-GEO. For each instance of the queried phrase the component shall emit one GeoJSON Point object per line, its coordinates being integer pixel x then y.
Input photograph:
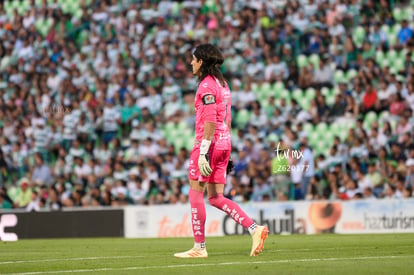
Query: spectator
{"type": "Point", "coordinates": [35, 204]}
{"type": "Point", "coordinates": [41, 172]}
{"type": "Point", "coordinates": [276, 69]}
{"type": "Point", "coordinates": [24, 194]}
{"type": "Point", "coordinates": [111, 118]}
{"type": "Point", "coordinates": [405, 33]}
{"type": "Point", "coordinates": [324, 75]}
{"type": "Point", "coordinates": [370, 98]}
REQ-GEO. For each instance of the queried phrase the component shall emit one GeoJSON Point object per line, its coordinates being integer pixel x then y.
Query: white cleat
{"type": "Point", "coordinates": [259, 238]}
{"type": "Point", "coordinates": [192, 253]}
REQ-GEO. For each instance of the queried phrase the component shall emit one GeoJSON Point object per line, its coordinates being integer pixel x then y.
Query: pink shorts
{"type": "Point", "coordinates": [218, 162]}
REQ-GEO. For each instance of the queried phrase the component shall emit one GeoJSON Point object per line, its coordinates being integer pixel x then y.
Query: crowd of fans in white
{"type": "Point", "coordinates": [95, 99]}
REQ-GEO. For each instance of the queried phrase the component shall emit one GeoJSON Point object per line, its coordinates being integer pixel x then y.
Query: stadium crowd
{"type": "Point", "coordinates": [96, 103]}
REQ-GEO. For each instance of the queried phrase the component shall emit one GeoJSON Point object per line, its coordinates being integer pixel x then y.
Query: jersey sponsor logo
{"type": "Point", "coordinates": [224, 136]}
{"type": "Point", "coordinates": [209, 99]}
{"type": "Point", "coordinates": [205, 85]}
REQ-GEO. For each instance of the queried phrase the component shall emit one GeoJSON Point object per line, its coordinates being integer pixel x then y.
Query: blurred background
{"type": "Point", "coordinates": [96, 99]}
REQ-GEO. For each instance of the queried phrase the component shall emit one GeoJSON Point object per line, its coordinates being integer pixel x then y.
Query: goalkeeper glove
{"type": "Point", "coordinates": [203, 161]}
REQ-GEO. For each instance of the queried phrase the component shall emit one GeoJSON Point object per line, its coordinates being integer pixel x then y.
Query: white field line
{"type": "Point", "coordinates": [215, 264]}
{"type": "Point", "coordinates": [310, 249]}
{"type": "Point", "coordinates": [141, 256]}
{"type": "Point", "coordinates": [69, 259]}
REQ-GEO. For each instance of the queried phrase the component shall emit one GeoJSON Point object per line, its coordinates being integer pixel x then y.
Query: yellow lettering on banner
{"type": "Point", "coordinates": [167, 229]}
{"type": "Point", "coordinates": [213, 227]}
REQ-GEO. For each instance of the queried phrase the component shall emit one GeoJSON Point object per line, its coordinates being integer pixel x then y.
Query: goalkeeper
{"type": "Point", "coordinates": [210, 157]}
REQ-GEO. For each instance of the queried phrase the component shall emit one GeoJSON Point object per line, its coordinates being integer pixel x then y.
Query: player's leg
{"type": "Point", "coordinates": [258, 233]}
{"type": "Point", "coordinates": [215, 197]}
{"type": "Point", "coordinates": [198, 220]}
{"type": "Point", "coordinates": [198, 211]}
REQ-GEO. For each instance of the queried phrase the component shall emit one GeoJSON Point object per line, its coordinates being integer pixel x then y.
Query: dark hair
{"type": "Point", "coordinates": [212, 59]}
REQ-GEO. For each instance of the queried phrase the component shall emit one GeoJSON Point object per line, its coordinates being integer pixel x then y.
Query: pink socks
{"type": "Point", "coordinates": [232, 209]}
{"type": "Point", "coordinates": [198, 215]}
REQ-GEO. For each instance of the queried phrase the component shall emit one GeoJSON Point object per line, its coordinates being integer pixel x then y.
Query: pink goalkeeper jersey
{"type": "Point", "coordinates": [213, 104]}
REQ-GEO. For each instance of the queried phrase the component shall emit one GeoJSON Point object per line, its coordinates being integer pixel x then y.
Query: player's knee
{"type": "Point", "coordinates": [216, 200]}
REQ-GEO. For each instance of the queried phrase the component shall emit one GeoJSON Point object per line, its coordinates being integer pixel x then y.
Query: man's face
{"type": "Point", "coordinates": [196, 64]}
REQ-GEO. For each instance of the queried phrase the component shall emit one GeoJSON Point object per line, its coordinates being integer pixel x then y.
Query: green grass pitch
{"type": "Point", "coordinates": [294, 254]}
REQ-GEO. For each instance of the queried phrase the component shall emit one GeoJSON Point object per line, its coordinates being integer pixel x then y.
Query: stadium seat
{"type": "Point", "coordinates": [392, 36]}
{"type": "Point", "coordinates": [9, 8]}
{"type": "Point", "coordinates": [182, 125]}
{"type": "Point", "coordinates": [330, 99]}
{"type": "Point", "coordinates": [313, 137]}
{"type": "Point", "coordinates": [310, 93]}
{"type": "Point", "coordinates": [359, 35]}
{"type": "Point", "coordinates": [328, 137]}
{"type": "Point", "coordinates": [385, 28]}
{"type": "Point", "coordinates": [397, 14]}
{"type": "Point", "coordinates": [297, 93]}
{"type": "Point", "coordinates": [391, 55]}
{"type": "Point", "coordinates": [264, 101]}
{"type": "Point", "coordinates": [43, 25]}
{"type": "Point", "coordinates": [265, 90]}
{"type": "Point", "coordinates": [284, 94]}
{"type": "Point", "coordinates": [339, 76]}
{"type": "Point", "coordinates": [273, 137]}
{"type": "Point", "coordinates": [320, 147]}
{"type": "Point", "coordinates": [335, 128]}
{"type": "Point", "coordinates": [308, 128]}
{"type": "Point", "coordinates": [351, 74]}
{"type": "Point", "coordinates": [325, 91]}
{"type": "Point", "coordinates": [399, 64]}
{"type": "Point", "coordinates": [169, 126]}
{"type": "Point", "coordinates": [189, 141]}
{"type": "Point", "coordinates": [179, 142]}
{"type": "Point", "coordinates": [379, 56]}
{"type": "Point", "coordinates": [384, 63]}
{"type": "Point", "coordinates": [23, 7]}
{"type": "Point", "coordinates": [321, 128]}
{"type": "Point", "coordinates": [383, 117]}
{"type": "Point", "coordinates": [314, 59]}
{"type": "Point", "coordinates": [242, 118]}
{"type": "Point", "coordinates": [335, 90]}
{"type": "Point", "coordinates": [255, 87]}
{"type": "Point", "coordinates": [403, 53]}
{"type": "Point", "coordinates": [302, 61]}
{"type": "Point", "coordinates": [278, 87]}
{"type": "Point", "coordinates": [408, 13]}
{"type": "Point", "coordinates": [304, 102]}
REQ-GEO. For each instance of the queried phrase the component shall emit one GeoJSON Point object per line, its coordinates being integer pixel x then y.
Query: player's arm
{"type": "Point", "coordinates": [209, 128]}
{"type": "Point", "coordinates": [209, 116]}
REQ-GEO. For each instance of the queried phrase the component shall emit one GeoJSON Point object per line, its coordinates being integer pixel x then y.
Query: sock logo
{"type": "Point", "coordinates": [233, 213]}
{"type": "Point", "coordinates": [196, 222]}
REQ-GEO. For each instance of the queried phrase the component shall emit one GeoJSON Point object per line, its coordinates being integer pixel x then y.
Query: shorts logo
{"type": "Point", "coordinates": [209, 99]}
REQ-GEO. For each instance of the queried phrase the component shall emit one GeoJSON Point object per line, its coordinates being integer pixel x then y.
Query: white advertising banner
{"type": "Point", "coordinates": [303, 217]}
